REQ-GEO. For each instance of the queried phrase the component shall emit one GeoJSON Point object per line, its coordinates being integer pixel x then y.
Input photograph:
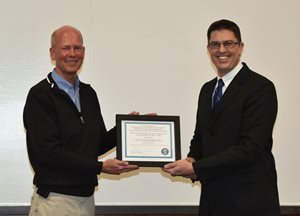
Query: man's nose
{"type": "Point", "coordinates": [72, 51]}
{"type": "Point", "coordinates": [222, 48]}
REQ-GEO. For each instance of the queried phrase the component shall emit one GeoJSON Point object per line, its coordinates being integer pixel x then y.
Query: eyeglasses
{"type": "Point", "coordinates": [228, 44]}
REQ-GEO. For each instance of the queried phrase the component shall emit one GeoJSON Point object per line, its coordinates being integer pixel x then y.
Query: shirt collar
{"type": "Point", "coordinates": [227, 78]}
{"type": "Point", "coordinates": [64, 84]}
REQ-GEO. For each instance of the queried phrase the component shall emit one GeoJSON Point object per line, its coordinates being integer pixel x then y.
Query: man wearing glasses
{"type": "Point", "coordinates": [230, 152]}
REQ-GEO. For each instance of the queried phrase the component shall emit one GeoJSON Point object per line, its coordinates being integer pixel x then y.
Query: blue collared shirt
{"type": "Point", "coordinates": [69, 88]}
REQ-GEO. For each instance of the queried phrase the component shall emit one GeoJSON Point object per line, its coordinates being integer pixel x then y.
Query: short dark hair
{"type": "Point", "coordinates": [224, 24]}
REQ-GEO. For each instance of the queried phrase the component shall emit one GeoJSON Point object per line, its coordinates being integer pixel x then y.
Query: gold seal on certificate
{"type": "Point", "coordinates": [149, 141]}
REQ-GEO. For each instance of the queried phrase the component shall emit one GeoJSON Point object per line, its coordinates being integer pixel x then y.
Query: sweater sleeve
{"type": "Point", "coordinates": [108, 138]}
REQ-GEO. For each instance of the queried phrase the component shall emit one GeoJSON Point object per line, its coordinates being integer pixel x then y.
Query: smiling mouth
{"type": "Point", "coordinates": [223, 57]}
{"type": "Point", "coordinates": [71, 62]}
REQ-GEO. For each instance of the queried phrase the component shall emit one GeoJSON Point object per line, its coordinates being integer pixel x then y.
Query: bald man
{"type": "Point", "coordinates": [65, 134]}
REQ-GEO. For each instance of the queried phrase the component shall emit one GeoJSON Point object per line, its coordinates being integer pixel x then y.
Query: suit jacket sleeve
{"type": "Point", "coordinates": [196, 143]}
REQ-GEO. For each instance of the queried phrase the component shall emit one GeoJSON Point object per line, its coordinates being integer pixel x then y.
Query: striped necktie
{"type": "Point", "coordinates": [218, 93]}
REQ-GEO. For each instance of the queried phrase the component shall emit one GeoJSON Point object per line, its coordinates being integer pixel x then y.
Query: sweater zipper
{"type": "Point", "coordinates": [68, 98]}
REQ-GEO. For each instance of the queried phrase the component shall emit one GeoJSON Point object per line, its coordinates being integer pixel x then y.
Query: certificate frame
{"type": "Point", "coordinates": [148, 140]}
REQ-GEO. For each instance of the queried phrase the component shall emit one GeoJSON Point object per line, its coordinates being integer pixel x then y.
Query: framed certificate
{"type": "Point", "coordinates": [147, 140]}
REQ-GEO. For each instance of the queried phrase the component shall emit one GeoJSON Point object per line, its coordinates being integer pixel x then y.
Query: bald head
{"type": "Point", "coordinates": [62, 30]}
{"type": "Point", "coordinates": [67, 51]}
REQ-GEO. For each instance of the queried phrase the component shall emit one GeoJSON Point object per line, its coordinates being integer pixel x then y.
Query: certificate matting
{"type": "Point", "coordinates": [149, 141]}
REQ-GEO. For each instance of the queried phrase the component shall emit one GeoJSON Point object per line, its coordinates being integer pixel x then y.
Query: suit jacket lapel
{"type": "Point", "coordinates": [206, 100]}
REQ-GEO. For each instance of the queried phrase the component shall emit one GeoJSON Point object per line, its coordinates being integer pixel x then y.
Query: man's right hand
{"type": "Point", "coordinates": [116, 167]}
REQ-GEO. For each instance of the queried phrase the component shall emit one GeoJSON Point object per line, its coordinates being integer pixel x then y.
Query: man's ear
{"type": "Point", "coordinates": [52, 53]}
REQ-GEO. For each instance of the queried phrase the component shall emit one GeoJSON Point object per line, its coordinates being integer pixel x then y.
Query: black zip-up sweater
{"type": "Point", "coordinates": [63, 144]}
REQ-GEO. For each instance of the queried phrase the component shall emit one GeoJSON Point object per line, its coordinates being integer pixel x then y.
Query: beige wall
{"type": "Point", "coordinates": [146, 55]}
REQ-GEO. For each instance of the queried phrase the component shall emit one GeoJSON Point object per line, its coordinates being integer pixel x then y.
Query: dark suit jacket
{"type": "Point", "coordinates": [232, 146]}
